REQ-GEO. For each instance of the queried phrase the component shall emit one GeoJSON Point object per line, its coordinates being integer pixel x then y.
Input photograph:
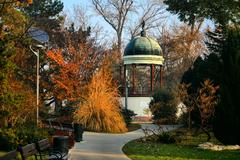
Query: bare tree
{"type": "Point", "coordinates": [80, 19]}
{"type": "Point", "coordinates": [115, 13]}
{"type": "Point", "coordinates": [79, 16]}
{"type": "Point", "coordinates": [181, 45]}
{"type": "Point", "coordinates": [152, 12]}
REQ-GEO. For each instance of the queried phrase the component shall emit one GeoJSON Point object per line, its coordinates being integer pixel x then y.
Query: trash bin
{"type": "Point", "coordinates": [78, 132]}
{"type": "Point", "coordinates": [60, 143]}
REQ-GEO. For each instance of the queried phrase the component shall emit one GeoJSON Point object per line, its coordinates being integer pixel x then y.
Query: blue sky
{"type": "Point", "coordinates": [69, 3]}
{"type": "Point", "coordinates": [95, 19]}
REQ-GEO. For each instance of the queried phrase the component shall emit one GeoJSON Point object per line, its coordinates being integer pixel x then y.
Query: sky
{"type": "Point", "coordinates": [94, 18]}
{"type": "Point", "coordinates": [70, 3]}
{"type": "Point", "coordinates": [107, 31]}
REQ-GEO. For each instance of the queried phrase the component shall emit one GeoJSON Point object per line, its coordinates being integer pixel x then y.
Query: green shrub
{"type": "Point", "coordinates": [165, 137]}
{"type": "Point", "coordinates": [10, 138]}
{"type": "Point", "coordinates": [163, 107]}
{"type": "Point", "coordinates": [183, 119]}
{"type": "Point", "coordinates": [30, 134]}
{"type": "Point", "coordinates": [127, 115]}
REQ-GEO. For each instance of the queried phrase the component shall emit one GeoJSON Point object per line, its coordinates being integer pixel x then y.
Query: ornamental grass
{"type": "Point", "coordinates": [100, 111]}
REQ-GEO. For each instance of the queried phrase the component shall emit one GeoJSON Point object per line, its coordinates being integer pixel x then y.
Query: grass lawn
{"type": "Point", "coordinates": [186, 148]}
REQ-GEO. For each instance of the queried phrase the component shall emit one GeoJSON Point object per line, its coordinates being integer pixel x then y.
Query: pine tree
{"type": "Point", "coordinates": [227, 115]}
{"type": "Point", "coordinates": [191, 11]}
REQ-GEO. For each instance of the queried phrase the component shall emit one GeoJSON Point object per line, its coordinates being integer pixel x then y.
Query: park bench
{"type": "Point", "coordinates": [44, 148]}
{"type": "Point", "coordinates": [40, 150]}
{"type": "Point", "coordinates": [58, 125]}
{"type": "Point", "coordinates": [12, 155]}
{"type": "Point", "coordinates": [28, 151]}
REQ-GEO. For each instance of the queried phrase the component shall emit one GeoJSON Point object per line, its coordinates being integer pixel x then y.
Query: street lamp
{"type": "Point", "coordinates": [37, 88]}
{"type": "Point", "coordinates": [41, 37]}
{"type": "Point", "coordinates": [126, 87]}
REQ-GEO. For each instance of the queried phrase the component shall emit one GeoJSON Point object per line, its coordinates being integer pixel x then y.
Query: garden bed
{"type": "Point", "coordinates": [185, 147]}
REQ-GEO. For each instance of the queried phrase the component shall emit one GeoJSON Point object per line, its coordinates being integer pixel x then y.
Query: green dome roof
{"type": "Point", "coordinates": [143, 46]}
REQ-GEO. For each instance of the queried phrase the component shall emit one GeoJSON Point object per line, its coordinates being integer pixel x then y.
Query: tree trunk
{"type": "Point", "coordinates": [189, 121]}
{"type": "Point", "coordinates": [119, 44]}
{"type": "Point", "coordinates": [207, 133]}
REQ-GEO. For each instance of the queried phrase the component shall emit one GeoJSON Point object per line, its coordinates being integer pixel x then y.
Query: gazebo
{"type": "Point", "coordinates": [142, 72]}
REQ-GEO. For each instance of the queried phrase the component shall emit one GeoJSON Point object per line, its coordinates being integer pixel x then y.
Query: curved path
{"type": "Point", "coordinates": [103, 146]}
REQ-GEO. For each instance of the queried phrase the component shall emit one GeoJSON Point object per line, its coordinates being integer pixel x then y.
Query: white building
{"type": "Point", "coordinates": [141, 73]}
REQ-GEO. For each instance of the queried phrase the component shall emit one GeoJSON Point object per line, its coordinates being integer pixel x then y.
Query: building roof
{"type": "Point", "coordinates": [143, 50]}
{"type": "Point", "coordinates": [143, 45]}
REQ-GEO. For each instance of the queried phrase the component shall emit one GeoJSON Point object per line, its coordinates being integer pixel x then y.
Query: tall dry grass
{"type": "Point", "coordinates": [100, 111]}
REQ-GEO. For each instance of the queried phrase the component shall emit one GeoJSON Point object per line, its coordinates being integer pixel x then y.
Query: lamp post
{"type": "Point", "coordinates": [126, 91]}
{"type": "Point", "coordinates": [126, 87]}
{"type": "Point", "coordinates": [37, 85]}
{"type": "Point", "coordinates": [41, 37]}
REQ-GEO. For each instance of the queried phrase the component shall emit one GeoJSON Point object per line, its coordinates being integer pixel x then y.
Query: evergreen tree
{"type": "Point", "coordinates": [227, 115]}
{"type": "Point", "coordinates": [220, 11]}
{"type": "Point", "coordinates": [45, 14]}
{"type": "Point", "coordinates": [163, 107]}
{"type": "Point", "coordinates": [205, 68]}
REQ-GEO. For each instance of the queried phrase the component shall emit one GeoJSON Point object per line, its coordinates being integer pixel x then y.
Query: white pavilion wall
{"type": "Point", "coordinates": [137, 104]}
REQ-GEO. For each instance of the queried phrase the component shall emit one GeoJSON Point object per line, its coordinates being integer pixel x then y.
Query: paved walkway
{"type": "Point", "coordinates": [102, 146]}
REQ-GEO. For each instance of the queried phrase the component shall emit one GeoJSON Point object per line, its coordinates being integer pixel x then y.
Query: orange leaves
{"type": "Point", "coordinates": [207, 100]}
{"type": "Point", "coordinates": [66, 78]}
{"type": "Point", "coordinates": [18, 101]}
{"type": "Point", "coordinates": [19, 2]}
{"type": "Point", "coordinates": [29, 1]}
{"type": "Point", "coordinates": [72, 68]}
{"type": "Point", "coordinates": [56, 55]}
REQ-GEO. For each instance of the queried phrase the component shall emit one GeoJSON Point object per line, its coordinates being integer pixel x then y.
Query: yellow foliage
{"type": "Point", "coordinates": [100, 111]}
{"type": "Point", "coordinates": [20, 105]}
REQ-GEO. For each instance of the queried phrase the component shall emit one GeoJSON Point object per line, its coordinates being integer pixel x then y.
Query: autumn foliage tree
{"type": "Point", "coordinates": [203, 103]}
{"type": "Point", "coordinates": [69, 71]}
{"type": "Point", "coordinates": [16, 96]}
{"type": "Point", "coordinates": [207, 101]}
{"type": "Point", "coordinates": [188, 100]}
{"type": "Point", "coordinates": [100, 111]}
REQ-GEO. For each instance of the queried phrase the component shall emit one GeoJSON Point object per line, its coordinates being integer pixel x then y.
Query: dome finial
{"type": "Point", "coordinates": [143, 33]}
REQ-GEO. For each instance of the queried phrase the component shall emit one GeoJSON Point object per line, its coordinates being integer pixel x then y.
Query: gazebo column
{"type": "Point", "coordinates": [161, 76]}
{"type": "Point", "coordinates": [124, 78]}
{"type": "Point", "coordinates": [152, 77]}
{"type": "Point", "coordinates": [133, 78]}
{"type": "Point", "coordinates": [126, 86]}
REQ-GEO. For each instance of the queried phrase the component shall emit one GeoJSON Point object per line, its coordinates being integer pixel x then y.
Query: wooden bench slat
{"type": "Point", "coordinates": [10, 155]}
{"type": "Point", "coordinates": [28, 150]}
{"type": "Point", "coordinates": [43, 144]}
